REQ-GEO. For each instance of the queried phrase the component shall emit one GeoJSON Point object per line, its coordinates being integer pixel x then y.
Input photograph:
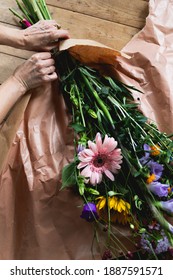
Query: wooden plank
{"type": "Point", "coordinates": [132, 13]}
{"type": "Point", "coordinates": [8, 65]}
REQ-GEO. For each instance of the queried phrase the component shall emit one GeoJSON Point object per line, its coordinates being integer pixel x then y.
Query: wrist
{"type": "Point", "coordinates": [12, 37]}
{"type": "Point", "coordinates": [19, 85]}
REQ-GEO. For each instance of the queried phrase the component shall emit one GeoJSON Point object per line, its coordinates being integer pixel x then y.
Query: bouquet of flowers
{"type": "Point", "coordinates": [123, 164]}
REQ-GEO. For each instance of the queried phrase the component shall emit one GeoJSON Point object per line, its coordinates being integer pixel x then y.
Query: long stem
{"type": "Point", "coordinates": [98, 99]}
{"type": "Point", "coordinates": [24, 11]}
{"type": "Point", "coordinates": [36, 9]}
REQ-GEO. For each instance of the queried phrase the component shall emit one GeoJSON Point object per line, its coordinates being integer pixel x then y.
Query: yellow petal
{"type": "Point", "coordinates": [101, 204]}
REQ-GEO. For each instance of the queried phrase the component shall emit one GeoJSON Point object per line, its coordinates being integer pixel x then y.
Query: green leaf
{"type": "Point", "coordinates": [78, 127]}
{"type": "Point", "coordinates": [68, 175]}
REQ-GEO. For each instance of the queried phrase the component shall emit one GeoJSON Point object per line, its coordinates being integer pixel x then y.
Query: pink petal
{"type": "Point", "coordinates": [98, 141]}
{"type": "Point", "coordinates": [87, 152]}
{"type": "Point", "coordinates": [84, 158]}
{"type": "Point", "coordinates": [92, 146]}
{"type": "Point", "coordinates": [109, 144]}
{"type": "Point", "coordinates": [82, 165]}
{"type": "Point", "coordinates": [109, 175]}
{"type": "Point", "coordinates": [86, 172]}
{"type": "Point", "coordinates": [95, 178]}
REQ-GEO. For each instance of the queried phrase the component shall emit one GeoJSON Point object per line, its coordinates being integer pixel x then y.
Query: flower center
{"type": "Point", "coordinates": [99, 160]}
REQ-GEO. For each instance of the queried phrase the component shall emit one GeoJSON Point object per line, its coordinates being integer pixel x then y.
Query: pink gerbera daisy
{"type": "Point", "coordinates": [100, 158]}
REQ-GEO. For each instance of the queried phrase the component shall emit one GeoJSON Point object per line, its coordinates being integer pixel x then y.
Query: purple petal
{"type": "Point", "coordinates": [158, 189]}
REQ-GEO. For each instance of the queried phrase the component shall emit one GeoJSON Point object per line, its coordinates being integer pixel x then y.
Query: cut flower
{"type": "Point", "coordinates": [119, 209]}
{"type": "Point", "coordinates": [89, 212]}
{"type": "Point", "coordinates": [100, 158]}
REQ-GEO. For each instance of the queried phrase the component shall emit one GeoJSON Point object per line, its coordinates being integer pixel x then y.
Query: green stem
{"type": "Point", "coordinates": [15, 13]}
{"type": "Point", "coordinates": [80, 107]}
{"type": "Point", "coordinates": [46, 9]}
{"type": "Point", "coordinates": [25, 12]}
{"type": "Point", "coordinates": [36, 9]}
{"type": "Point", "coordinates": [98, 99]}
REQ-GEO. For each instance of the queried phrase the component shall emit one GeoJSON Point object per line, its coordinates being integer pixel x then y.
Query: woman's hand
{"type": "Point", "coordinates": [37, 70]}
{"type": "Point", "coordinates": [43, 36]}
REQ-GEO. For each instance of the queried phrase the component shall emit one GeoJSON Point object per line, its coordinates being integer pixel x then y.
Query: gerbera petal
{"type": "Point", "coordinates": [82, 165]}
{"type": "Point", "coordinates": [95, 178]}
{"type": "Point", "coordinates": [92, 146]}
{"type": "Point", "coordinates": [109, 175]}
{"type": "Point", "coordinates": [87, 152]}
{"type": "Point", "coordinates": [86, 172]}
{"type": "Point", "coordinates": [109, 144]}
{"type": "Point", "coordinates": [98, 141]}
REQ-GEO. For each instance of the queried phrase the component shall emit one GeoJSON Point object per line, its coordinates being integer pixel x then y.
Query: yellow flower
{"type": "Point", "coordinates": [151, 178]}
{"type": "Point", "coordinates": [155, 150]}
{"type": "Point", "coordinates": [102, 202]}
{"type": "Point", "coordinates": [119, 209]}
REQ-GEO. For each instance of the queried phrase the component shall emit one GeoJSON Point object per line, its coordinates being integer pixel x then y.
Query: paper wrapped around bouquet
{"type": "Point", "coordinates": [37, 219]}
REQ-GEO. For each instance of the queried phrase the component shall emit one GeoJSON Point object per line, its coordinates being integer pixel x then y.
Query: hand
{"type": "Point", "coordinates": [43, 36]}
{"type": "Point", "coordinates": [37, 70]}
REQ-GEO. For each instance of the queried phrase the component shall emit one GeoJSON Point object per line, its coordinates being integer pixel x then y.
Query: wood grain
{"type": "Point", "coordinates": [131, 13]}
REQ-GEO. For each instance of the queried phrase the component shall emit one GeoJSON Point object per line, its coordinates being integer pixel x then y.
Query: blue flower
{"type": "Point", "coordinates": [89, 212]}
{"type": "Point", "coordinates": [158, 188]}
{"type": "Point", "coordinates": [159, 245]}
{"type": "Point", "coordinates": [156, 169]}
{"type": "Point", "coordinates": [146, 158]}
{"type": "Point", "coordinates": [167, 205]}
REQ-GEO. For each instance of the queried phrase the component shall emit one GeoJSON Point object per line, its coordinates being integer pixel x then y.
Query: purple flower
{"type": "Point", "coordinates": [167, 205]}
{"type": "Point", "coordinates": [80, 148]}
{"type": "Point", "coordinates": [89, 212]}
{"type": "Point", "coordinates": [146, 158]}
{"type": "Point", "coordinates": [159, 245]}
{"type": "Point", "coordinates": [158, 188]}
{"type": "Point", "coordinates": [156, 169]}
{"type": "Point", "coordinates": [162, 245]}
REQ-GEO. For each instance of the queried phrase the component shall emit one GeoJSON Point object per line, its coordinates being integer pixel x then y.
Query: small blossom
{"type": "Point", "coordinates": [89, 212]}
{"type": "Point", "coordinates": [159, 245]}
{"type": "Point", "coordinates": [146, 158]}
{"type": "Point", "coordinates": [80, 148]}
{"type": "Point", "coordinates": [100, 158]}
{"type": "Point", "coordinates": [156, 169]}
{"type": "Point", "coordinates": [167, 205]}
{"type": "Point", "coordinates": [155, 150]}
{"type": "Point", "coordinates": [151, 178]}
{"type": "Point", "coordinates": [158, 188]}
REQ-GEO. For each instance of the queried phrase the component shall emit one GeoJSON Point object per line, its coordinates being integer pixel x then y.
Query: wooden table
{"type": "Point", "coordinates": [111, 22]}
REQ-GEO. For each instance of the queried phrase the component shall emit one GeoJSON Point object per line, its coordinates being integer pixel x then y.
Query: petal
{"type": "Point", "coordinates": [95, 178]}
{"type": "Point", "coordinates": [98, 141]}
{"type": "Point", "coordinates": [82, 165]}
{"type": "Point", "coordinates": [101, 204]}
{"type": "Point", "coordinates": [86, 172]}
{"type": "Point", "coordinates": [87, 152]}
{"type": "Point", "coordinates": [109, 144]}
{"type": "Point", "coordinates": [93, 147]}
{"type": "Point", "coordinates": [109, 175]}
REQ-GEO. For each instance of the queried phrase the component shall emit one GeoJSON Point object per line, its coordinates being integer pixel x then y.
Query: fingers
{"type": "Point", "coordinates": [59, 34]}
{"type": "Point", "coordinates": [36, 71]}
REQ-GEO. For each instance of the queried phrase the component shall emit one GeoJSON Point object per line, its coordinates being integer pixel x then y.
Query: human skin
{"type": "Point", "coordinates": [38, 69]}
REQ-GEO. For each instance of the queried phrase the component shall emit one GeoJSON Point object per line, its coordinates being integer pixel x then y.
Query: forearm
{"type": "Point", "coordinates": [10, 91]}
{"type": "Point", "coordinates": [11, 37]}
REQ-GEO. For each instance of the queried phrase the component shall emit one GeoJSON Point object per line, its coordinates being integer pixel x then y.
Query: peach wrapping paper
{"type": "Point", "coordinates": [150, 68]}
{"type": "Point", "coordinates": [37, 220]}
